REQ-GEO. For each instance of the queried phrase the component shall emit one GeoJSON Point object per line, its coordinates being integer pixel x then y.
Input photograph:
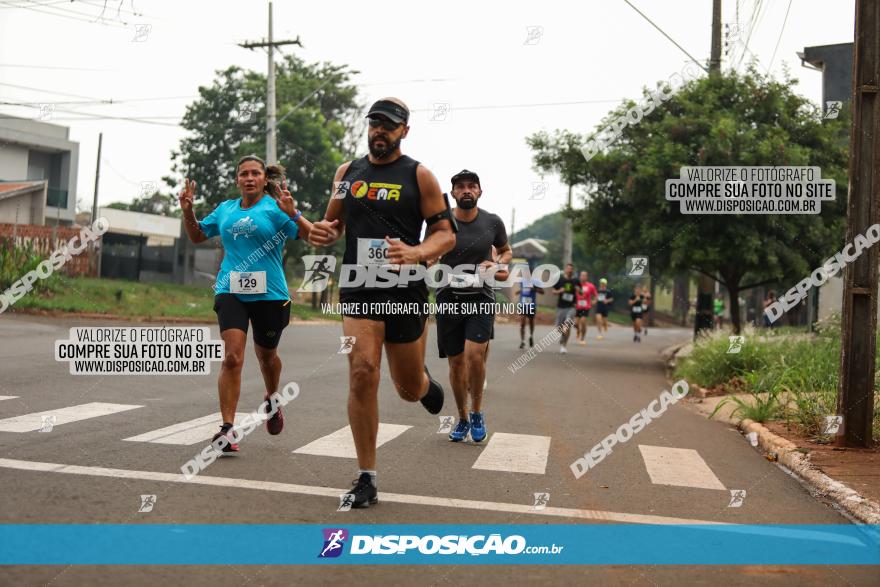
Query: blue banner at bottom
{"type": "Point", "coordinates": [563, 544]}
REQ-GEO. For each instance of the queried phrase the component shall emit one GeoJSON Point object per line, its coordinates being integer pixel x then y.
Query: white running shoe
{"type": "Point", "coordinates": [562, 350]}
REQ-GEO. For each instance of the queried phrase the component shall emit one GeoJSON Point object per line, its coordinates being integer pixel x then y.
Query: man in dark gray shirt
{"type": "Point", "coordinates": [463, 332]}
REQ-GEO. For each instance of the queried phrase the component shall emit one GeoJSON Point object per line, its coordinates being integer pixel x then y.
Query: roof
{"type": "Point", "coordinates": [139, 223]}
{"type": "Point", "coordinates": [11, 189]}
{"type": "Point", "coordinates": [536, 244]}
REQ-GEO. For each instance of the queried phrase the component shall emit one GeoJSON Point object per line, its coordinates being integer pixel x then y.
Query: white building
{"type": "Point", "coordinates": [32, 150]}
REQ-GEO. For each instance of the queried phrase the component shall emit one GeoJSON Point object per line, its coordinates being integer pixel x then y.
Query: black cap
{"type": "Point", "coordinates": [393, 110]}
{"type": "Point", "coordinates": [465, 174]}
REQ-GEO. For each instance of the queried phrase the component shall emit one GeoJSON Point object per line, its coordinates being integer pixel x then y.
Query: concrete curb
{"type": "Point", "coordinates": [671, 353]}
{"type": "Point", "coordinates": [703, 393]}
{"type": "Point", "coordinates": [787, 454]}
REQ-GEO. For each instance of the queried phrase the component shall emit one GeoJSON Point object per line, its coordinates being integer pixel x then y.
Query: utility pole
{"type": "Point", "coordinates": [95, 203]}
{"type": "Point", "coordinates": [567, 238]}
{"type": "Point", "coordinates": [512, 220]}
{"type": "Point", "coordinates": [855, 388]}
{"type": "Point", "coordinates": [271, 144]}
{"type": "Point", "coordinates": [705, 284]}
{"type": "Point", "coordinates": [715, 56]}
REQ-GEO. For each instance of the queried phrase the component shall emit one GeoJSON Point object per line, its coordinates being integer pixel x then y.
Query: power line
{"type": "Point", "coordinates": [83, 116]}
{"type": "Point", "coordinates": [93, 100]}
{"type": "Point", "coordinates": [15, 5]}
{"type": "Point", "coordinates": [62, 15]}
{"type": "Point", "coordinates": [782, 30]}
{"type": "Point", "coordinates": [753, 23]}
{"type": "Point", "coordinates": [536, 104]}
{"type": "Point", "coordinates": [99, 18]}
{"type": "Point", "coordinates": [61, 68]}
{"type": "Point", "coordinates": [49, 91]}
{"type": "Point", "coordinates": [662, 32]}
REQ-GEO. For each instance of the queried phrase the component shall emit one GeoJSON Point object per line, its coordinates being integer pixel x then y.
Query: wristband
{"type": "Point", "coordinates": [297, 215]}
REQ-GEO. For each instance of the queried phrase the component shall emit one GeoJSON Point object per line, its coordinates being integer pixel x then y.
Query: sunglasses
{"type": "Point", "coordinates": [384, 123]}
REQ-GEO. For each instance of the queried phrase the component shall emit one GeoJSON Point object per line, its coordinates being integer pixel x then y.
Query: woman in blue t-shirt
{"type": "Point", "coordinates": [250, 287]}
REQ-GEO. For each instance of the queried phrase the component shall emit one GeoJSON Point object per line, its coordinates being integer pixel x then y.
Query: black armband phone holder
{"type": "Point", "coordinates": [444, 215]}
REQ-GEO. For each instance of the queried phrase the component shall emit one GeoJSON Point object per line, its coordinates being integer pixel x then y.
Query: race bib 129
{"type": "Point", "coordinates": [247, 282]}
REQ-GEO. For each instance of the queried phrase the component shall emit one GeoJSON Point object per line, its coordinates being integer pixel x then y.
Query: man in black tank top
{"type": "Point", "coordinates": [379, 203]}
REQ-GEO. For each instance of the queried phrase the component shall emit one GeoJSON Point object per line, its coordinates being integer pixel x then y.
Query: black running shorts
{"type": "Point", "coordinates": [268, 317]}
{"type": "Point", "coordinates": [583, 313]}
{"type": "Point", "coordinates": [402, 309]}
{"type": "Point", "coordinates": [470, 321]}
{"type": "Point", "coordinates": [602, 310]}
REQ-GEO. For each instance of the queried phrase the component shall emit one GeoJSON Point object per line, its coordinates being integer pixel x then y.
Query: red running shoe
{"type": "Point", "coordinates": [275, 424]}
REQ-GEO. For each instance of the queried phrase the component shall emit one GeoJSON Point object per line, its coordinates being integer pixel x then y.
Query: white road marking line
{"type": "Point", "coordinates": [187, 433]}
{"type": "Point", "coordinates": [3, 397]}
{"type": "Point", "coordinates": [683, 467]}
{"type": "Point", "coordinates": [516, 453]}
{"type": "Point", "coordinates": [32, 422]}
{"type": "Point", "coordinates": [341, 443]}
{"type": "Point", "coordinates": [333, 494]}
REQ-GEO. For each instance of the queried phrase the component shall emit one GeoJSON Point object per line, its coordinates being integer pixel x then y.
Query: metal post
{"type": "Point", "coordinates": [271, 151]}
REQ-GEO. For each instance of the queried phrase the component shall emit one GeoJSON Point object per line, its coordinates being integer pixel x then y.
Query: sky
{"type": "Point", "coordinates": [478, 77]}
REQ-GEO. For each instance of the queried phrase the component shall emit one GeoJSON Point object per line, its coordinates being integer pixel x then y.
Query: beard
{"type": "Point", "coordinates": [382, 152]}
{"type": "Point", "coordinates": [467, 203]}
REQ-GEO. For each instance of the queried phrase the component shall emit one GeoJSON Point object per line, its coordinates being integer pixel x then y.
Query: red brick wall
{"type": "Point", "coordinates": [46, 239]}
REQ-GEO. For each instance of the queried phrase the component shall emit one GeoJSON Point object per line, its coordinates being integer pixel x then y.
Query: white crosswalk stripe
{"type": "Point", "coordinates": [515, 453]}
{"type": "Point", "coordinates": [504, 452]}
{"type": "Point", "coordinates": [186, 433]}
{"type": "Point", "coordinates": [682, 467]}
{"type": "Point", "coordinates": [341, 443]}
{"type": "Point", "coordinates": [35, 421]}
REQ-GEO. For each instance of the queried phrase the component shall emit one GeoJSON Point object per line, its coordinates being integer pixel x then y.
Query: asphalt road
{"type": "Point", "coordinates": [561, 404]}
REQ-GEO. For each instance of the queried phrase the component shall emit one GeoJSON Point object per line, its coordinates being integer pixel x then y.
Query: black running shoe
{"type": "Point", "coordinates": [229, 446]}
{"type": "Point", "coordinates": [364, 492]}
{"type": "Point", "coordinates": [531, 342]}
{"type": "Point", "coordinates": [433, 400]}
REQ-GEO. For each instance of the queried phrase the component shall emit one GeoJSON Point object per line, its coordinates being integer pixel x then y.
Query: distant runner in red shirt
{"type": "Point", "coordinates": [583, 302]}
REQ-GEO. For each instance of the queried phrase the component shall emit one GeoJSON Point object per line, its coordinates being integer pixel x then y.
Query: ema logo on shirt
{"type": "Point", "coordinates": [376, 190]}
{"type": "Point", "coordinates": [243, 227]}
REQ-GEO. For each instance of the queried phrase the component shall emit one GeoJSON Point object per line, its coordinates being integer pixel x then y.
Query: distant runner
{"type": "Point", "coordinates": [718, 307]}
{"type": "Point", "coordinates": [526, 293]}
{"type": "Point", "coordinates": [584, 299]}
{"type": "Point", "coordinates": [636, 310]}
{"type": "Point", "coordinates": [604, 301]}
{"type": "Point", "coordinates": [566, 288]}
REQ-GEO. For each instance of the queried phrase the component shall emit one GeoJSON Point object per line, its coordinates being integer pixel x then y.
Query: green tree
{"type": "Point", "coordinates": [731, 119]}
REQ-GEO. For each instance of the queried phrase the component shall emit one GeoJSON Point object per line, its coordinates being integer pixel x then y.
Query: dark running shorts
{"type": "Point", "coordinates": [269, 317]}
{"type": "Point", "coordinates": [402, 325]}
{"type": "Point", "coordinates": [583, 313]}
{"type": "Point", "coordinates": [455, 328]}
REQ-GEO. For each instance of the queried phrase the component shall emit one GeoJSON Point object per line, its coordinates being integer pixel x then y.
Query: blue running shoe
{"type": "Point", "coordinates": [461, 431]}
{"type": "Point", "coordinates": [478, 427]}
